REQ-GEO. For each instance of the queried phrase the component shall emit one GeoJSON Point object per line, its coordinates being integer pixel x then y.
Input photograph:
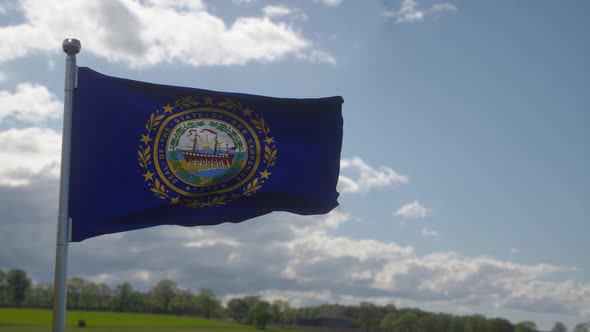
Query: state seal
{"type": "Point", "coordinates": [206, 151]}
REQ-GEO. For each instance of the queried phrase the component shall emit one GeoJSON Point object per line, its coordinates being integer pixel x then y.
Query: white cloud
{"type": "Point", "coordinates": [28, 153]}
{"type": "Point", "coordinates": [33, 152]}
{"type": "Point", "coordinates": [317, 56]}
{"type": "Point", "coordinates": [413, 210]}
{"type": "Point", "coordinates": [442, 7]}
{"type": "Point", "coordinates": [240, 2]}
{"type": "Point", "coordinates": [211, 242]}
{"type": "Point", "coordinates": [50, 65]}
{"type": "Point", "coordinates": [368, 177]}
{"type": "Point", "coordinates": [331, 3]}
{"type": "Point", "coordinates": [409, 11]}
{"type": "Point", "coordinates": [192, 5]}
{"type": "Point", "coordinates": [406, 13]}
{"type": "Point", "coordinates": [429, 233]}
{"type": "Point", "coordinates": [544, 296]}
{"type": "Point", "coordinates": [149, 33]}
{"type": "Point", "coordinates": [30, 103]}
{"type": "Point", "coordinates": [281, 11]}
{"type": "Point", "coordinates": [271, 11]}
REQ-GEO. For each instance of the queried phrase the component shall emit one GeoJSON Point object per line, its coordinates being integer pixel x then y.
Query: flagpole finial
{"type": "Point", "coordinates": [71, 46]}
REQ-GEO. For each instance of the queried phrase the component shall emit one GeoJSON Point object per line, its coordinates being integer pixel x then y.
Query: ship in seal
{"type": "Point", "coordinates": [205, 160]}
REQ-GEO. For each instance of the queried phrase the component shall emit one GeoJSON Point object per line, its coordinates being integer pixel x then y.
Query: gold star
{"type": "Point", "coordinates": [269, 140]}
{"type": "Point", "coordinates": [145, 138]}
{"type": "Point", "coordinates": [175, 200]}
{"type": "Point", "coordinates": [247, 112]}
{"type": "Point", "coordinates": [188, 188]}
{"type": "Point", "coordinates": [148, 176]}
{"type": "Point", "coordinates": [264, 175]}
{"type": "Point", "coordinates": [168, 109]}
{"type": "Point", "coordinates": [208, 100]}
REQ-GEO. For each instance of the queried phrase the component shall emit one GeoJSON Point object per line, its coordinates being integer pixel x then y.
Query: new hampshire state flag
{"type": "Point", "coordinates": [145, 155]}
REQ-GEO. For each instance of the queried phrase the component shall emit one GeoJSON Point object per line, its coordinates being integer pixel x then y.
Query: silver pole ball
{"type": "Point", "coordinates": [71, 46]}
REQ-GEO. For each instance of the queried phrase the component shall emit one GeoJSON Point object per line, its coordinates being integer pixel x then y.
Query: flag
{"type": "Point", "coordinates": [145, 154]}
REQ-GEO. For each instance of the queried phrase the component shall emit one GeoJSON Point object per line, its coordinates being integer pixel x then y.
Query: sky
{"type": "Point", "coordinates": [464, 171]}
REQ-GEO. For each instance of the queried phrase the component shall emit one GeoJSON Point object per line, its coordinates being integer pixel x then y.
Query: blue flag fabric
{"type": "Point", "coordinates": [145, 155]}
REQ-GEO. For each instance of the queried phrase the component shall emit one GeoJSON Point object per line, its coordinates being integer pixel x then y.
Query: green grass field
{"type": "Point", "coordinates": [34, 320]}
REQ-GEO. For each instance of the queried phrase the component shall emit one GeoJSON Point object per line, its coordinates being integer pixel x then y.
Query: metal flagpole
{"type": "Point", "coordinates": [71, 47]}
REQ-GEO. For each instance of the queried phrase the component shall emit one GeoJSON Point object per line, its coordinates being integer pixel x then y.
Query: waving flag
{"type": "Point", "coordinates": [145, 154]}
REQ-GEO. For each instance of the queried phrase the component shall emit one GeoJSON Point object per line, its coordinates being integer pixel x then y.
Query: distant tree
{"type": "Point", "coordinates": [251, 302]}
{"type": "Point", "coordinates": [419, 313]}
{"type": "Point", "coordinates": [123, 299]}
{"type": "Point", "coordinates": [369, 316]}
{"type": "Point", "coordinates": [208, 304]}
{"type": "Point", "coordinates": [51, 294]}
{"type": "Point", "coordinates": [456, 324]}
{"type": "Point", "coordinates": [388, 321]}
{"type": "Point", "coordinates": [275, 312]}
{"type": "Point", "coordinates": [475, 323]}
{"type": "Point", "coordinates": [163, 293]}
{"type": "Point", "coordinates": [89, 296]}
{"type": "Point", "coordinates": [499, 325]}
{"type": "Point", "coordinates": [559, 327]}
{"type": "Point", "coordinates": [350, 311]}
{"type": "Point", "coordinates": [183, 303]}
{"type": "Point", "coordinates": [290, 315]}
{"type": "Point", "coordinates": [104, 294]}
{"type": "Point", "coordinates": [526, 326]}
{"type": "Point", "coordinates": [407, 322]}
{"type": "Point", "coordinates": [4, 297]}
{"type": "Point", "coordinates": [18, 283]}
{"type": "Point", "coordinates": [40, 296]}
{"type": "Point", "coordinates": [238, 310]}
{"type": "Point", "coordinates": [260, 314]}
{"type": "Point", "coordinates": [139, 302]}
{"type": "Point", "coordinates": [311, 312]}
{"type": "Point", "coordinates": [388, 309]}
{"type": "Point", "coordinates": [281, 312]}
{"type": "Point", "coordinates": [430, 323]}
{"type": "Point", "coordinates": [278, 311]}
{"type": "Point", "coordinates": [444, 322]}
{"type": "Point", "coordinates": [583, 327]}
{"type": "Point", "coordinates": [75, 286]}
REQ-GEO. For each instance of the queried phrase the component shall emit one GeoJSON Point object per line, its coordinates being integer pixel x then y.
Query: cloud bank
{"type": "Point", "coordinates": [148, 33]}
{"type": "Point", "coordinates": [366, 177]}
{"type": "Point", "coordinates": [289, 257]}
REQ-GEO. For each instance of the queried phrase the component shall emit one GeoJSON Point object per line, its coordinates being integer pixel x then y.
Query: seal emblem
{"type": "Point", "coordinates": [206, 151]}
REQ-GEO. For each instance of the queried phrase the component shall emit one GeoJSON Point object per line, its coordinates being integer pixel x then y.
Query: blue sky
{"type": "Point", "coordinates": [464, 164]}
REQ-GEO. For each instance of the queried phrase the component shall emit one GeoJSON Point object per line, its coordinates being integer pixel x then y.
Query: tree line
{"type": "Point", "coordinates": [17, 290]}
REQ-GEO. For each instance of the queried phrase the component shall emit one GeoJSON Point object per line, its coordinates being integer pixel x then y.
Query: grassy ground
{"type": "Point", "coordinates": [35, 320]}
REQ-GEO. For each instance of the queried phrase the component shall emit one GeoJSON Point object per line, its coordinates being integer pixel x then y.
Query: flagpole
{"type": "Point", "coordinates": [71, 47]}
